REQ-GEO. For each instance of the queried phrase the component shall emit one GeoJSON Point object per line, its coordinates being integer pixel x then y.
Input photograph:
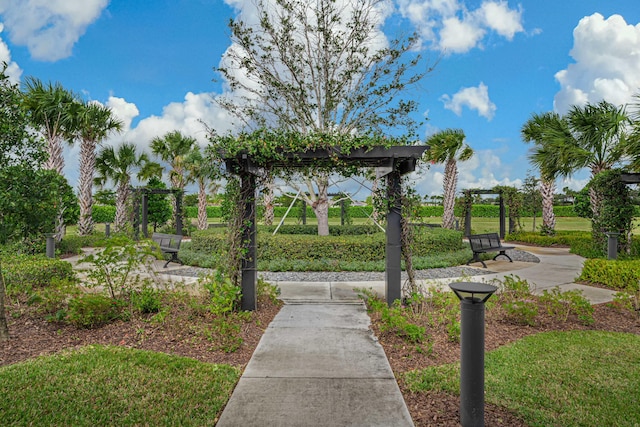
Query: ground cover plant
{"type": "Point", "coordinates": [421, 341]}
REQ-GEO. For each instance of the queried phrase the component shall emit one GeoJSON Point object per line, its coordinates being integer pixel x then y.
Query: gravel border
{"type": "Point", "coordinates": [363, 276]}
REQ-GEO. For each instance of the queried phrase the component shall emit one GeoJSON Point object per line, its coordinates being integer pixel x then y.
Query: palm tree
{"type": "Point", "coordinates": [595, 138]}
{"type": "Point", "coordinates": [201, 170]}
{"type": "Point", "coordinates": [538, 130]}
{"type": "Point", "coordinates": [448, 147]}
{"type": "Point", "coordinates": [51, 109]}
{"type": "Point", "coordinates": [118, 165]}
{"type": "Point", "coordinates": [95, 121]}
{"type": "Point", "coordinates": [172, 148]}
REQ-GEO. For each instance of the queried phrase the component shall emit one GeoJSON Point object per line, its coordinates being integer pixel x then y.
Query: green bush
{"type": "Point", "coordinates": [312, 230]}
{"type": "Point", "coordinates": [25, 272]}
{"type": "Point", "coordinates": [147, 299]}
{"type": "Point", "coordinates": [103, 213]}
{"type": "Point", "coordinates": [614, 274]}
{"type": "Point", "coordinates": [72, 244]}
{"type": "Point", "coordinates": [561, 304]}
{"type": "Point", "coordinates": [93, 310]}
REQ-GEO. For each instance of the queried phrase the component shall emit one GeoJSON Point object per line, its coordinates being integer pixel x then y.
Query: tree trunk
{"type": "Point", "coordinates": [202, 205]}
{"type": "Point", "coordinates": [122, 196]}
{"type": "Point", "coordinates": [87, 166]}
{"type": "Point", "coordinates": [547, 188]}
{"type": "Point", "coordinates": [450, 182]}
{"type": "Point", "coordinates": [321, 205]}
{"type": "Point", "coordinates": [268, 202]}
{"type": "Point", "coordinates": [4, 328]}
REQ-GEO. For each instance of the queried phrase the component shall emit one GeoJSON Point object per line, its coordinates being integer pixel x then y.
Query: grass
{"type": "Point", "coordinates": [578, 378]}
{"type": "Point", "coordinates": [98, 385]}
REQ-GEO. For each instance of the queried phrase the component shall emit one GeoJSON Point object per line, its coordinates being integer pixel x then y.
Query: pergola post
{"type": "Point", "coordinates": [502, 216]}
{"type": "Point", "coordinates": [467, 218]}
{"type": "Point", "coordinates": [178, 196]}
{"type": "Point", "coordinates": [145, 214]}
{"type": "Point", "coordinates": [393, 269]}
{"type": "Point", "coordinates": [249, 260]}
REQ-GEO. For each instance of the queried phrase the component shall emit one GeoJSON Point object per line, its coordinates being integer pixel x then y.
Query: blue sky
{"type": "Point", "coordinates": [499, 62]}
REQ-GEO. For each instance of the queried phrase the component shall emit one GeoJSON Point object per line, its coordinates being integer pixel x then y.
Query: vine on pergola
{"type": "Point", "coordinates": [282, 153]}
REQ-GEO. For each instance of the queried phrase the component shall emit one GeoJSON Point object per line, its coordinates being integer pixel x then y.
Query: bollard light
{"type": "Point", "coordinates": [51, 245]}
{"type": "Point", "coordinates": [472, 297]}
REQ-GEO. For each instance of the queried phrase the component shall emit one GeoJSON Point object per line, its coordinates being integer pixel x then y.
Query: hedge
{"type": "Point", "coordinates": [362, 247]}
{"type": "Point", "coordinates": [614, 274]}
{"type": "Point", "coordinates": [103, 213]}
{"type": "Point", "coordinates": [28, 271]}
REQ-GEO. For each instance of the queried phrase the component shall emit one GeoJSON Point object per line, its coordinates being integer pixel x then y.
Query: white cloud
{"type": "Point", "coordinates": [13, 70]}
{"type": "Point", "coordinates": [459, 36]}
{"type": "Point", "coordinates": [474, 98]}
{"type": "Point", "coordinates": [484, 170]}
{"type": "Point", "coordinates": [49, 28]}
{"type": "Point", "coordinates": [450, 26]}
{"type": "Point", "coordinates": [607, 63]}
{"type": "Point", "coordinates": [498, 17]}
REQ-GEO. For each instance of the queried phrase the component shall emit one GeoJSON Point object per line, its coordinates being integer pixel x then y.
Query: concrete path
{"type": "Point", "coordinates": [318, 365]}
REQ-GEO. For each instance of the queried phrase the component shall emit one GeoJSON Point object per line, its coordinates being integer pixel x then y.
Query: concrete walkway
{"type": "Point", "coordinates": [318, 365]}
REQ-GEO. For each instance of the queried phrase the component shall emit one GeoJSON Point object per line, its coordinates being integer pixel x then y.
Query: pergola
{"type": "Point", "coordinates": [467, 220]}
{"type": "Point", "coordinates": [392, 163]}
{"type": "Point", "coordinates": [145, 208]}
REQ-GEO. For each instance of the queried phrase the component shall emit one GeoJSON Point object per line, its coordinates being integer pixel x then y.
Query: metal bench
{"type": "Point", "coordinates": [169, 244]}
{"type": "Point", "coordinates": [488, 242]}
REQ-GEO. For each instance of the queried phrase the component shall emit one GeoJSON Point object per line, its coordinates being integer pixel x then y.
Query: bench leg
{"type": "Point", "coordinates": [503, 253]}
{"type": "Point", "coordinates": [174, 258]}
{"type": "Point", "coordinates": [476, 258]}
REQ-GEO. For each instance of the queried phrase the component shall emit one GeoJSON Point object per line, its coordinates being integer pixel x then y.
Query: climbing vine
{"type": "Point", "coordinates": [514, 202]}
{"type": "Point", "coordinates": [616, 210]}
{"type": "Point", "coordinates": [266, 148]}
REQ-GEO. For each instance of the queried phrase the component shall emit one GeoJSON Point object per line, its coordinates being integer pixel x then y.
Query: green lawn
{"type": "Point", "coordinates": [99, 385]}
{"type": "Point", "coordinates": [578, 378]}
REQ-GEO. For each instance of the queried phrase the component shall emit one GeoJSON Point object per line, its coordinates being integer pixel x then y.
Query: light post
{"type": "Point", "coordinates": [472, 297]}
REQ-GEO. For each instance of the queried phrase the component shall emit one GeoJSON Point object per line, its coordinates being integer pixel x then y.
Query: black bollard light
{"type": "Point", "coordinates": [51, 245]}
{"type": "Point", "coordinates": [472, 297]}
{"type": "Point", "coordinates": [107, 229]}
{"type": "Point", "coordinates": [612, 244]}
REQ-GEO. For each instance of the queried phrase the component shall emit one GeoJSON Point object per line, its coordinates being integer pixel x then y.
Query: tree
{"type": "Point", "coordinates": [172, 148]}
{"type": "Point", "coordinates": [52, 111]}
{"type": "Point", "coordinates": [322, 67]}
{"type": "Point", "coordinates": [448, 147]}
{"type": "Point", "coordinates": [94, 122]}
{"type": "Point", "coordinates": [598, 140]}
{"type": "Point", "coordinates": [118, 165]}
{"type": "Point", "coordinates": [543, 130]}
{"type": "Point", "coordinates": [18, 147]}
{"type": "Point", "coordinates": [201, 170]}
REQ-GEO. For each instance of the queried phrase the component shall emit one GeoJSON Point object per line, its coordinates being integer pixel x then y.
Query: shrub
{"type": "Point", "coordinates": [614, 274]}
{"type": "Point", "coordinates": [72, 244]}
{"type": "Point", "coordinates": [103, 213]}
{"type": "Point", "coordinates": [93, 310]}
{"type": "Point", "coordinates": [561, 304]}
{"type": "Point", "coordinates": [117, 266]}
{"type": "Point", "coordinates": [224, 296]}
{"type": "Point", "coordinates": [147, 299]}
{"type": "Point", "coordinates": [22, 273]}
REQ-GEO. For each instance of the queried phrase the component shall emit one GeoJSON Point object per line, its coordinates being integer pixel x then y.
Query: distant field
{"type": "Point", "coordinates": [479, 225]}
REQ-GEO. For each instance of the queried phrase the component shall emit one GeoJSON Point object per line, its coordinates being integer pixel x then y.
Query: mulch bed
{"type": "Point", "coordinates": [32, 336]}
